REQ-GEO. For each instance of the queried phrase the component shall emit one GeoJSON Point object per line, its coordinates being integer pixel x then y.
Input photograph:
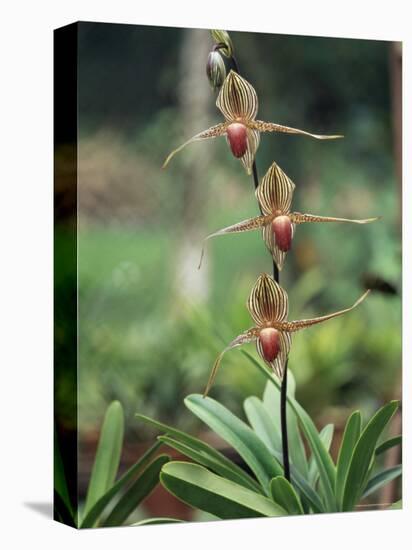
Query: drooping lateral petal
{"type": "Point", "coordinates": [297, 217]}
{"type": "Point", "coordinates": [269, 238]}
{"type": "Point", "coordinates": [253, 140]}
{"type": "Point", "coordinates": [278, 365]}
{"type": "Point", "coordinates": [246, 225]}
{"type": "Point", "coordinates": [244, 338]}
{"type": "Point", "coordinates": [268, 302]}
{"type": "Point", "coordinates": [272, 127]}
{"type": "Point", "coordinates": [275, 191]}
{"type": "Point", "coordinates": [214, 131]}
{"type": "Point", "coordinates": [293, 326]}
{"type": "Point", "coordinates": [237, 99]}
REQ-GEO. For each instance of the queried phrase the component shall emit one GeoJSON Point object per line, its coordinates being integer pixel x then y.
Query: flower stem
{"type": "Point", "coordinates": [284, 385]}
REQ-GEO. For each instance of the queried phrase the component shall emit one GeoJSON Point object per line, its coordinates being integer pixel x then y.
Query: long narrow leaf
{"type": "Point", "coordinates": [209, 462]}
{"type": "Point", "coordinates": [95, 512]}
{"type": "Point", "coordinates": [139, 490]}
{"type": "Point", "coordinates": [323, 459]}
{"type": "Point", "coordinates": [326, 436]}
{"type": "Point", "coordinates": [156, 521]}
{"type": "Point", "coordinates": [205, 449]}
{"type": "Point", "coordinates": [202, 489]}
{"type": "Point", "coordinates": [285, 495]}
{"type": "Point", "coordinates": [263, 425]}
{"type": "Point", "coordinates": [238, 434]}
{"type": "Point", "coordinates": [363, 453]}
{"type": "Point", "coordinates": [60, 482]}
{"type": "Point", "coordinates": [308, 496]}
{"type": "Point", "coordinates": [382, 479]}
{"type": "Point", "coordinates": [108, 453]}
{"type": "Point", "coordinates": [349, 440]}
{"type": "Point", "coordinates": [388, 444]}
{"type": "Point", "coordinates": [271, 401]}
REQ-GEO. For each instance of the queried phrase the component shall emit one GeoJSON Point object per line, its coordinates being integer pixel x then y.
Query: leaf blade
{"type": "Point", "coordinates": [200, 488]}
{"type": "Point", "coordinates": [107, 456]}
{"type": "Point", "coordinates": [363, 453]}
{"type": "Point", "coordinates": [284, 494]}
{"type": "Point", "coordinates": [93, 515]}
{"type": "Point", "coordinates": [141, 487]}
{"type": "Point", "coordinates": [238, 434]}
{"type": "Point", "coordinates": [350, 438]}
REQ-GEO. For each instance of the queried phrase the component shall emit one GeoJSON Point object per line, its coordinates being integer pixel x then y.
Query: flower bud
{"type": "Point", "coordinates": [222, 37]}
{"type": "Point", "coordinates": [237, 137]}
{"type": "Point", "coordinates": [282, 229]}
{"type": "Point", "coordinates": [270, 343]}
{"type": "Point", "coordinates": [215, 70]}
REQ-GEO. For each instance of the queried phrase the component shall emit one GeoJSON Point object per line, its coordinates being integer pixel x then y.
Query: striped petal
{"type": "Point", "coordinates": [297, 217]}
{"type": "Point", "coordinates": [275, 191]}
{"type": "Point", "coordinates": [269, 238]}
{"type": "Point", "coordinates": [246, 225]}
{"type": "Point", "coordinates": [268, 302]}
{"type": "Point", "coordinates": [248, 336]}
{"type": "Point", "coordinates": [271, 127]}
{"type": "Point", "coordinates": [253, 140]}
{"type": "Point", "coordinates": [293, 326]}
{"type": "Point", "coordinates": [278, 365]}
{"type": "Point", "coordinates": [214, 131]}
{"type": "Point", "coordinates": [237, 99]}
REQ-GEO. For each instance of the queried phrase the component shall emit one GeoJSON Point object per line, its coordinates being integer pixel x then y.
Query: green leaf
{"type": "Point", "coordinates": [323, 459]}
{"type": "Point", "coordinates": [209, 462]}
{"type": "Point", "coordinates": [382, 479]}
{"type": "Point", "coordinates": [202, 489]}
{"type": "Point", "coordinates": [60, 483]}
{"type": "Point", "coordinates": [349, 440]}
{"type": "Point", "coordinates": [139, 490]}
{"type": "Point", "coordinates": [207, 452]}
{"type": "Point", "coordinates": [108, 454]}
{"type": "Point", "coordinates": [95, 512]}
{"type": "Point", "coordinates": [156, 521]}
{"type": "Point", "coordinates": [238, 434]}
{"type": "Point", "coordinates": [263, 425]}
{"type": "Point", "coordinates": [326, 436]}
{"type": "Point", "coordinates": [271, 401]}
{"type": "Point", "coordinates": [284, 494]}
{"type": "Point", "coordinates": [308, 495]}
{"type": "Point", "coordinates": [388, 444]}
{"type": "Point", "coordinates": [396, 505]}
{"type": "Point", "coordinates": [363, 454]}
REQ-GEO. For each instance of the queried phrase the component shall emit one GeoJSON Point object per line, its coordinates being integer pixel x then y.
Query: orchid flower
{"type": "Point", "coordinates": [277, 222]}
{"type": "Point", "coordinates": [238, 102]}
{"type": "Point", "coordinates": [268, 305]}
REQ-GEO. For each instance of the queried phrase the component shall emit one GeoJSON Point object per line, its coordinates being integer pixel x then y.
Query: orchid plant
{"type": "Point", "coordinates": [312, 483]}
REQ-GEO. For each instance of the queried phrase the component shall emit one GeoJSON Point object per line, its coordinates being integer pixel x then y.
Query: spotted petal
{"type": "Point", "coordinates": [275, 191]}
{"type": "Point", "coordinates": [269, 238]}
{"type": "Point", "coordinates": [278, 365]}
{"type": "Point", "coordinates": [237, 99]}
{"type": "Point", "coordinates": [268, 302]}
{"type": "Point", "coordinates": [244, 338]}
{"type": "Point", "coordinates": [271, 127]}
{"type": "Point", "coordinates": [214, 131]}
{"type": "Point", "coordinates": [293, 326]}
{"type": "Point", "coordinates": [297, 217]}
{"type": "Point", "coordinates": [246, 225]}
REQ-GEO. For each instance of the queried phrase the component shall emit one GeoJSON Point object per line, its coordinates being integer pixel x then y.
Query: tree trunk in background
{"type": "Point", "coordinates": [394, 455]}
{"type": "Point", "coordinates": [195, 102]}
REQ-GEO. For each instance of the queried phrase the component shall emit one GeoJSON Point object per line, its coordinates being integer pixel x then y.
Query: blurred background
{"type": "Point", "coordinates": [150, 323]}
